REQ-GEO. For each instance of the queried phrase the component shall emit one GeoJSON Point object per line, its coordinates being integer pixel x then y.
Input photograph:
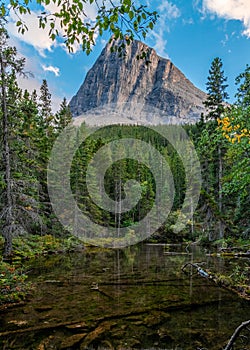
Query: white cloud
{"type": "Point", "coordinates": [52, 69]}
{"type": "Point", "coordinates": [34, 66]}
{"type": "Point", "coordinates": [38, 38]}
{"type": "Point", "coordinates": [167, 12]}
{"type": "Point", "coordinates": [225, 40]}
{"type": "Point", "coordinates": [34, 83]}
{"type": "Point", "coordinates": [231, 10]}
{"type": "Point", "coordinates": [104, 42]}
{"type": "Point", "coordinates": [160, 42]}
{"type": "Point", "coordinates": [29, 83]}
{"type": "Point", "coordinates": [188, 21]}
{"type": "Point", "coordinates": [90, 10]}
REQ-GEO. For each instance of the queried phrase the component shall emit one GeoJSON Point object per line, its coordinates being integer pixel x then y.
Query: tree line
{"type": "Point", "coordinates": [29, 130]}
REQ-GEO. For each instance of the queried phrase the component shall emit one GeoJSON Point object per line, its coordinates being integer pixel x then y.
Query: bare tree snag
{"type": "Point", "coordinates": [8, 210]}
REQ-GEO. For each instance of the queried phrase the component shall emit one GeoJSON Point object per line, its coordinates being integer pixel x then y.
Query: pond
{"type": "Point", "coordinates": [134, 298]}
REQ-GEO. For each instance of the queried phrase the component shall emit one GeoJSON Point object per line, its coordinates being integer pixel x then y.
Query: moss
{"type": "Point", "coordinates": [238, 281]}
{"type": "Point", "coordinates": [33, 245]}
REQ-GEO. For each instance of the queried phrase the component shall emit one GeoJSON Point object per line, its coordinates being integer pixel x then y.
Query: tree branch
{"type": "Point", "coordinates": [236, 334]}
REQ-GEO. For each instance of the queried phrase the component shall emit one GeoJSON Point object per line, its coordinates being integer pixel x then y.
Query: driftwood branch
{"type": "Point", "coordinates": [96, 288]}
{"type": "Point", "coordinates": [216, 279]}
{"type": "Point", "coordinates": [236, 334]}
{"type": "Point", "coordinates": [199, 270]}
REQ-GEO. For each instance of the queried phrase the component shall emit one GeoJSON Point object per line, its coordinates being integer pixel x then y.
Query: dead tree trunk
{"type": "Point", "coordinates": [7, 213]}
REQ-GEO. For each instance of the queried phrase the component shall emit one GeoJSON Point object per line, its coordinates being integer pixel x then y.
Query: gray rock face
{"type": "Point", "coordinates": [115, 80]}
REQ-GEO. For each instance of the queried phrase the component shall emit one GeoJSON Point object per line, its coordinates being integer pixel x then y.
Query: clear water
{"type": "Point", "coordinates": [135, 298]}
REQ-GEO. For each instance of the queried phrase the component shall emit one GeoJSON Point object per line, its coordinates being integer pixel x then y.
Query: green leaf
{"type": "Point", "coordinates": [131, 15]}
{"type": "Point", "coordinates": [80, 5]}
{"type": "Point", "coordinates": [3, 10]}
{"type": "Point", "coordinates": [151, 25]}
{"type": "Point", "coordinates": [127, 2]}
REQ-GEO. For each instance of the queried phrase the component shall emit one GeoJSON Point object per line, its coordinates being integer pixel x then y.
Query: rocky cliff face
{"type": "Point", "coordinates": [115, 80]}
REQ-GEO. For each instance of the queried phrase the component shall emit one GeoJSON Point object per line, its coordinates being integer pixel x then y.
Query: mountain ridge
{"type": "Point", "coordinates": [116, 80]}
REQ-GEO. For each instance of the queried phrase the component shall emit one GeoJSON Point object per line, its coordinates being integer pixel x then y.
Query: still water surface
{"type": "Point", "coordinates": [135, 298]}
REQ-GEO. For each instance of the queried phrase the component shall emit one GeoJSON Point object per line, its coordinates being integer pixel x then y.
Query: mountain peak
{"type": "Point", "coordinates": [115, 80]}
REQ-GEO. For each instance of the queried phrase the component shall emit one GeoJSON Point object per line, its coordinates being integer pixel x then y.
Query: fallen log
{"type": "Point", "coordinates": [221, 281]}
{"type": "Point", "coordinates": [37, 328]}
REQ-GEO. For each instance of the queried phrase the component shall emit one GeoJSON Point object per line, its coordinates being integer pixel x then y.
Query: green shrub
{"type": "Point", "coordinates": [12, 284]}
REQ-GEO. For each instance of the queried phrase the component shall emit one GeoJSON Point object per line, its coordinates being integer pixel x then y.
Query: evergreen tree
{"type": "Point", "coordinates": [45, 100]}
{"type": "Point", "coordinates": [63, 117]}
{"type": "Point", "coordinates": [9, 66]}
{"type": "Point", "coordinates": [34, 96]}
{"type": "Point", "coordinates": [216, 89]}
{"type": "Point", "coordinates": [243, 93]}
{"type": "Point", "coordinates": [215, 103]}
{"type": "Point", "coordinates": [45, 108]}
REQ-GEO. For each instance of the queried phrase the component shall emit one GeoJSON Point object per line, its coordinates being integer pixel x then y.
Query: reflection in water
{"type": "Point", "coordinates": [136, 297]}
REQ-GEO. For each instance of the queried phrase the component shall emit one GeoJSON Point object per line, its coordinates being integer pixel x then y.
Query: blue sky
{"type": "Point", "coordinates": [189, 32]}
